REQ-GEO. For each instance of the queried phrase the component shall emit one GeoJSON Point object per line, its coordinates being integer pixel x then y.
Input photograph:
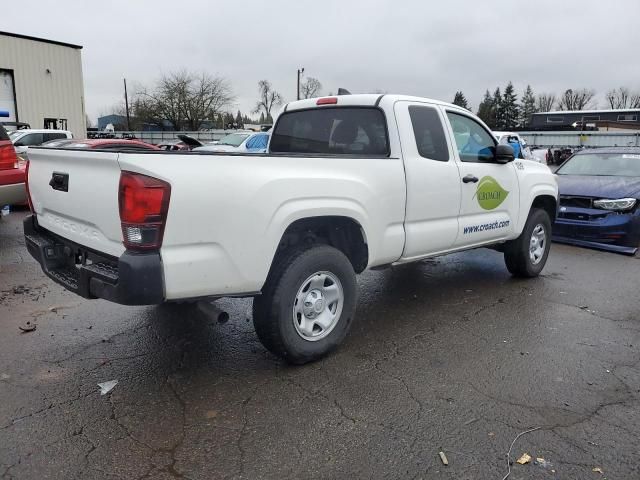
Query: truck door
{"type": "Point", "coordinates": [490, 190]}
{"type": "Point", "coordinates": [432, 177]}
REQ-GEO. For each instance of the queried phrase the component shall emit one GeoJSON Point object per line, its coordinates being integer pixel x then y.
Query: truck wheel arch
{"type": "Point", "coordinates": [547, 203]}
{"type": "Point", "coordinates": [341, 232]}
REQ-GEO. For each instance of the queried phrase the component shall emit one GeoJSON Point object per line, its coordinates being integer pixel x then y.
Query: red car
{"type": "Point", "coordinates": [12, 174]}
{"type": "Point", "coordinates": [101, 144]}
{"type": "Point", "coordinates": [174, 145]}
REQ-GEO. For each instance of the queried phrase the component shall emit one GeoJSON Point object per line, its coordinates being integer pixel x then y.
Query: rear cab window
{"type": "Point", "coordinates": [345, 131]}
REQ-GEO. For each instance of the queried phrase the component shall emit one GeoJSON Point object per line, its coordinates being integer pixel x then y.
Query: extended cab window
{"type": "Point", "coordinates": [332, 130]}
{"type": "Point", "coordinates": [427, 128]}
{"type": "Point", "coordinates": [473, 142]}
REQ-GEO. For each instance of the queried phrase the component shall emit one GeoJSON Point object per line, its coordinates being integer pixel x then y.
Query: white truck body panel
{"type": "Point", "coordinates": [88, 213]}
{"type": "Point", "coordinates": [228, 213]}
{"type": "Point", "coordinates": [213, 252]}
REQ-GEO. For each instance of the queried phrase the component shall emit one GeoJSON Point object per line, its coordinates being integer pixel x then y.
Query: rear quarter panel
{"type": "Point", "coordinates": [228, 213]}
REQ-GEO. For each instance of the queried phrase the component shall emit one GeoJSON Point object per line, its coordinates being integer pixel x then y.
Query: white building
{"type": "Point", "coordinates": [41, 83]}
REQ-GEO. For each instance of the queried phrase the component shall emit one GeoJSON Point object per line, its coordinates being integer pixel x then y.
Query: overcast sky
{"type": "Point", "coordinates": [418, 47]}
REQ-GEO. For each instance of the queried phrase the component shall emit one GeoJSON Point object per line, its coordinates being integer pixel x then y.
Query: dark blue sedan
{"type": "Point", "coordinates": [600, 200]}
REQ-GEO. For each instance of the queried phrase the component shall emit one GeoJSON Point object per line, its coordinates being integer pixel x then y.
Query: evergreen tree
{"type": "Point", "coordinates": [528, 106]}
{"type": "Point", "coordinates": [239, 121]}
{"type": "Point", "coordinates": [510, 109]}
{"type": "Point", "coordinates": [219, 121]}
{"type": "Point", "coordinates": [261, 118]}
{"type": "Point", "coordinates": [485, 110]}
{"type": "Point", "coordinates": [228, 120]}
{"type": "Point", "coordinates": [460, 100]}
{"type": "Point", "coordinates": [497, 117]}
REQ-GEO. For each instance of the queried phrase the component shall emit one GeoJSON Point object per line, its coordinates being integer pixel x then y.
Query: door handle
{"type": "Point", "coordinates": [470, 179]}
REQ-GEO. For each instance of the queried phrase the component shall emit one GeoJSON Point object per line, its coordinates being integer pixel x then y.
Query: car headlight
{"type": "Point", "coordinates": [617, 205]}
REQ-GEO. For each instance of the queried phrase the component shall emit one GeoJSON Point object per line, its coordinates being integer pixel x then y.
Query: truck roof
{"type": "Point", "coordinates": [361, 100]}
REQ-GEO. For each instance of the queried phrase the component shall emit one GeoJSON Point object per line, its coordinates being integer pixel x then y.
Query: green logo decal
{"type": "Point", "coordinates": [490, 194]}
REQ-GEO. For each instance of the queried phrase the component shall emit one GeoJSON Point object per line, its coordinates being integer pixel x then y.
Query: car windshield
{"type": "Point", "coordinates": [13, 135]}
{"type": "Point", "coordinates": [603, 164]}
{"type": "Point", "coordinates": [234, 139]}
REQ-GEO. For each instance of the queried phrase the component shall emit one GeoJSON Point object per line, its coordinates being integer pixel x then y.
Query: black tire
{"type": "Point", "coordinates": [273, 316]}
{"type": "Point", "coordinates": [516, 252]}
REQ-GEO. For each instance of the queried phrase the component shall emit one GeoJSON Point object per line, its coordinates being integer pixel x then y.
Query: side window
{"type": "Point", "coordinates": [264, 140]}
{"type": "Point", "coordinates": [473, 142]}
{"type": "Point", "coordinates": [31, 139]}
{"type": "Point", "coordinates": [53, 136]}
{"type": "Point", "coordinates": [430, 138]}
{"type": "Point", "coordinates": [253, 142]}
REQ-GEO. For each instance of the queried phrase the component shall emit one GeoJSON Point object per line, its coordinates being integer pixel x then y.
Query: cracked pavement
{"type": "Point", "coordinates": [450, 354]}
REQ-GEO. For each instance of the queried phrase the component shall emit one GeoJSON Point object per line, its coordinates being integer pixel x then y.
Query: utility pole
{"type": "Point", "coordinates": [300, 72]}
{"type": "Point", "coordinates": [126, 105]}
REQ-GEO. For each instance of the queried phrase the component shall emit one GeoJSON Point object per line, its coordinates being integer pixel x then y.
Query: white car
{"type": "Point", "coordinates": [349, 183]}
{"type": "Point", "coordinates": [239, 142]}
{"type": "Point", "coordinates": [516, 141]}
{"type": "Point", "coordinates": [25, 138]}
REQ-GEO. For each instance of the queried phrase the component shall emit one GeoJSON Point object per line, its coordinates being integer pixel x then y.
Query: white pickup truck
{"type": "Point", "coordinates": [349, 183]}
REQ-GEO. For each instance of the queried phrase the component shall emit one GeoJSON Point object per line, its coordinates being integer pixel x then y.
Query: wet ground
{"type": "Point", "coordinates": [448, 355]}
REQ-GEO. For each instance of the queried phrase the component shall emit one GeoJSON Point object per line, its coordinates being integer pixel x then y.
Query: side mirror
{"type": "Point", "coordinates": [504, 154]}
{"type": "Point", "coordinates": [18, 144]}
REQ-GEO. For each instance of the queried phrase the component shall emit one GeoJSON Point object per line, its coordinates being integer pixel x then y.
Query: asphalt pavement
{"type": "Point", "coordinates": [447, 355]}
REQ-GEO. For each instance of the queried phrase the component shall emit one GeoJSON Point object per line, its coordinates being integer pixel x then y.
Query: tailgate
{"type": "Point", "coordinates": [81, 202]}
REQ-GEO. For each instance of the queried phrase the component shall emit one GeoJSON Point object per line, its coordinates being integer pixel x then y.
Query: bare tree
{"type": "Point", "coordinates": [545, 102]}
{"type": "Point", "coordinates": [576, 99]}
{"type": "Point", "coordinates": [268, 99]}
{"type": "Point", "coordinates": [310, 88]}
{"type": "Point", "coordinates": [207, 96]}
{"type": "Point", "coordinates": [623, 98]}
{"type": "Point", "coordinates": [185, 99]}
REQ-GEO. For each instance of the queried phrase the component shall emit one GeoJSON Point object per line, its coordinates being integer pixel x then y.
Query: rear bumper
{"type": "Point", "coordinates": [614, 232]}
{"type": "Point", "coordinates": [131, 279]}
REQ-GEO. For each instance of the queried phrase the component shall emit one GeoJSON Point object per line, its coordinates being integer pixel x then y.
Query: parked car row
{"type": "Point", "coordinates": [237, 142]}
{"type": "Point", "coordinates": [599, 188]}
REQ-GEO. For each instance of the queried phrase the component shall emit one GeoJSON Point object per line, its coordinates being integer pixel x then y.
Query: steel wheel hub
{"type": "Point", "coordinates": [317, 306]}
{"type": "Point", "coordinates": [537, 244]}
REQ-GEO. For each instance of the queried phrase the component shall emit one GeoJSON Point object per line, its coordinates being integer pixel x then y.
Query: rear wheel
{"type": "Point", "coordinates": [527, 255]}
{"type": "Point", "coordinates": [307, 304]}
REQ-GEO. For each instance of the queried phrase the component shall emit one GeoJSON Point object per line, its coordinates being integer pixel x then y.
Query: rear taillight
{"type": "Point", "coordinates": [144, 203]}
{"type": "Point", "coordinates": [8, 157]}
{"type": "Point", "coordinates": [26, 185]}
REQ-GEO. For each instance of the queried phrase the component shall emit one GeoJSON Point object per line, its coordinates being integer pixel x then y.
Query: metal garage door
{"type": "Point", "coordinates": [7, 96]}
